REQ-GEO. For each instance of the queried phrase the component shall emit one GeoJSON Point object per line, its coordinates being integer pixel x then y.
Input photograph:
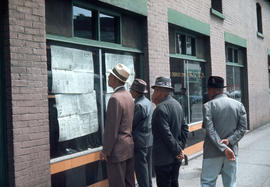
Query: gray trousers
{"type": "Point", "coordinates": [143, 166]}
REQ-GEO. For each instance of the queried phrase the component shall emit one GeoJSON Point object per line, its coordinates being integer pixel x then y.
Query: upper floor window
{"type": "Point", "coordinates": [234, 55]}
{"type": "Point", "coordinates": [185, 44]}
{"type": "Point", "coordinates": [259, 18]}
{"type": "Point", "coordinates": [92, 24]}
{"type": "Point", "coordinates": [84, 23]}
{"type": "Point", "coordinates": [217, 5]}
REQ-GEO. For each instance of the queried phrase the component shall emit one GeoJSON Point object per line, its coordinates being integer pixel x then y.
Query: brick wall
{"type": "Point", "coordinates": [27, 94]}
{"type": "Point", "coordinates": [158, 40]}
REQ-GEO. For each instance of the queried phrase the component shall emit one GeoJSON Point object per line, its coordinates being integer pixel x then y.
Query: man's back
{"type": "Point", "coordinates": [118, 143]}
{"type": "Point", "coordinates": [142, 127]}
{"type": "Point", "coordinates": [169, 130]}
{"type": "Point", "coordinates": [229, 120]}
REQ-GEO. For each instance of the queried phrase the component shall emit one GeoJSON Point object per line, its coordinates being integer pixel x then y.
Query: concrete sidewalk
{"type": "Point", "coordinates": [254, 162]}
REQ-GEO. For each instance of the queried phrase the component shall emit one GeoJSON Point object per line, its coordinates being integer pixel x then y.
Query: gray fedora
{"type": "Point", "coordinates": [163, 82]}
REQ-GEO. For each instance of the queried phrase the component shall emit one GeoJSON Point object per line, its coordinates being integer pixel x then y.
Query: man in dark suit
{"type": "Point", "coordinates": [170, 133]}
{"type": "Point", "coordinates": [142, 133]}
{"type": "Point", "coordinates": [118, 148]}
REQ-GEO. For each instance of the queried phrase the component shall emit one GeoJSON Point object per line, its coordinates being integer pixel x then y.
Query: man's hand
{"type": "Point", "coordinates": [225, 141]}
{"type": "Point", "coordinates": [103, 156]}
{"type": "Point", "coordinates": [229, 154]}
{"type": "Point", "coordinates": [181, 155]}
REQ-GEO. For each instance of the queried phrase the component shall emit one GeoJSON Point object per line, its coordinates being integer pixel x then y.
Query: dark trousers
{"type": "Point", "coordinates": [143, 166]}
{"type": "Point", "coordinates": [167, 175]}
{"type": "Point", "coordinates": [121, 174]}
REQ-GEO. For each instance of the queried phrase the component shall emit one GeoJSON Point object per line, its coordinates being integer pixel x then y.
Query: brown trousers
{"type": "Point", "coordinates": [121, 174]}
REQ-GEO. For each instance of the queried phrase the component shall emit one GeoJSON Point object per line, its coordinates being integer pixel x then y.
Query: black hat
{"type": "Point", "coordinates": [216, 82]}
{"type": "Point", "coordinates": [139, 86]}
{"type": "Point", "coordinates": [163, 82]}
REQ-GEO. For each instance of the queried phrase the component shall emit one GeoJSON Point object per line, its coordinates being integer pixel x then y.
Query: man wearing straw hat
{"type": "Point", "coordinates": [170, 133]}
{"type": "Point", "coordinates": [118, 147]}
{"type": "Point", "coordinates": [142, 133]}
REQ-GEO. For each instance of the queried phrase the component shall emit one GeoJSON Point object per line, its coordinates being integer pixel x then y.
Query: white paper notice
{"type": "Point", "coordinates": [111, 60]}
{"type": "Point", "coordinates": [72, 82]}
{"type": "Point", "coordinates": [77, 115]}
{"type": "Point", "coordinates": [75, 126]}
{"type": "Point", "coordinates": [71, 59]}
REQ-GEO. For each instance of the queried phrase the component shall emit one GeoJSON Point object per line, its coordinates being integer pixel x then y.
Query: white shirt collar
{"type": "Point", "coordinates": [117, 88]}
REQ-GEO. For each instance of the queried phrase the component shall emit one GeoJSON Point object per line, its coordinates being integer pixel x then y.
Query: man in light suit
{"type": "Point", "coordinates": [142, 133]}
{"type": "Point", "coordinates": [118, 147]}
{"type": "Point", "coordinates": [225, 121]}
{"type": "Point", "coordinates": [170, 134]}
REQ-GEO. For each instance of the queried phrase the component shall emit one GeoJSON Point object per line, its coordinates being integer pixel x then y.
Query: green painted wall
{"type": "Point", "coordinates": [268, 52]}
{"type": "Point", "coordinates": [138, 6]}
{"type": "Point", "coordinates": [187, 22]}
{"type": "Point", "coordinates": [236, 40]}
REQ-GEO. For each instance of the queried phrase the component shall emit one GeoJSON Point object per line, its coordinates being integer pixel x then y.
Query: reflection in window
{"type": "Point", "coordinates": [109, 28]}
{"type": "Point", "coordinates": [188, 80]}
{"type": "Point", "coordinates": [234, 80]}
{"type": "Point", "coordinates": [84, 23]}
{"type": "Point", "coordinates": [185, 44]}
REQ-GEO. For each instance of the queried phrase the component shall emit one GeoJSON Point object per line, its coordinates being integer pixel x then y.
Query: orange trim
{"type": "Point", "coordinates": [74, 162]}
{"type": "Point", "coordinates": [195, 127]}
{"type": "Point", "coordinates": [104, 183]}
{"type": "Point", "coordinates": [194, 148]}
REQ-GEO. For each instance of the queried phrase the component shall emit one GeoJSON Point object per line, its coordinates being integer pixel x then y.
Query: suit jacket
{"type": "Point", "coordinates": [142, 127]}
{"type": "Point", "coordinates": [170, 131]}
{"type": "Point", "coordinates": [223, 118]}
{"type": "Point", "coordinates": [118, 141]}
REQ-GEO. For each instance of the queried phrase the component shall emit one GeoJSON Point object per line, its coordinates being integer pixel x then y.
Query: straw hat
{"type": "Point", "coordinates": [121, 72]}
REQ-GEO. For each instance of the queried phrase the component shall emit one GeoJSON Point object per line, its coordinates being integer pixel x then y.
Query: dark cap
{"type": "Point", "coordinates": [139, 86]}
{"type": "Point", "coordinates": [216, 82]}
{"type": "Point", "coordinates": [163, 82]}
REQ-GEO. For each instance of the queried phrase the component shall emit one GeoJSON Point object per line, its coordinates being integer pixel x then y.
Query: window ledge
{"type": "Point", "coordinates": [260, 35]}
{"type": "Point", "coordinates": [217, 13]}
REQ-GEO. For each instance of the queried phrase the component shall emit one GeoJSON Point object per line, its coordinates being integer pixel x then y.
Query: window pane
{"type": "Point", "coordinates": [229, 54]}
{"type": "Point", "coordinates": [188, 46]}
{"type": "Point", "coordinates": [193, 45]}
{"type": "Point", "coordinates": [74, 100]}
{"type": "Point", "coordinates": [235, 56]}
{"type": "Point", "coordinates": [178, 44]}
{"type": "Point", "coordinates": [179, 82]}
{"type": "Point", "coordinates": [83, 23]}
{"type": "Point", "coordinates": [195, 90]}
{"type": "Point", "coordinates": [183, 44]}
{"type": "Point", "coordinates": [234, 82]}
{"type": "Point", "coordinates": [109, 28]}
{"type": "Point", "coordinates": [188, 81]}
{"type": "Point", "coordinates": [217, 5]}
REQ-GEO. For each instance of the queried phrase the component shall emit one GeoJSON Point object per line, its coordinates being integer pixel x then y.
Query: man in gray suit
{"type": "Point", "coordinates": [225, 121]}
{"type": "Point", "coordinates": [142, 133]}
{"type": "Point", "coordinates": [170, 134]}
{"type": "Point", "coordinates": [118, 147]}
